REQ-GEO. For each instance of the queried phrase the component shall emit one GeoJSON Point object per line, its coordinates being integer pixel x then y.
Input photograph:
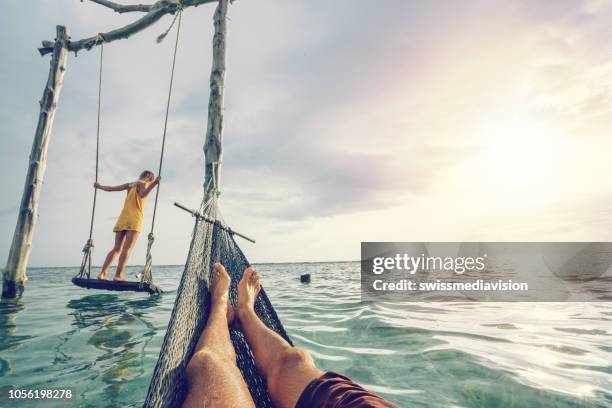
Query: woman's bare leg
{"type": "Point", "coordinates": [119, 238]}
{"type": "Point", "coordinates": [213, 378]}
{"type": "Point", "coordinates": [287, 370]}
{"type": "Point", "coordinates": [130, 241]}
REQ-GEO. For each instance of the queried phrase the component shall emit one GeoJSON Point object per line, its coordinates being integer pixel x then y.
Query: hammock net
{"type": "Point", "coordinates": [212, 241]}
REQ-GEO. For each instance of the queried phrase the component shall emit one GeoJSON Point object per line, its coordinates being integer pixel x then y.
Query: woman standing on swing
{"type": "Point", "coordinates": [129, 224]}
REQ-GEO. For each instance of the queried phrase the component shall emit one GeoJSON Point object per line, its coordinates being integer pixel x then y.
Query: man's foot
{"type": "Point", "coordinates": [102, 276]}
{"type": "Point", "coordinates": [248, 289]}
{"type": "Point", "coordinates": [220, 286]}
{"type": "Point", "coordinates": [119, 277]}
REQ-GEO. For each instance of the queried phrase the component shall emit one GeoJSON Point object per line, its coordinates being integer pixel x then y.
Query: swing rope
{"type": "Point", "coordinates": [147, 273]}
{"type": "Point", "coordinates": [86, 263]}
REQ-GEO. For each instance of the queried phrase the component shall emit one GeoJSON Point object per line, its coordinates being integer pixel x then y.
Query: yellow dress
{"type": "Point", "coordinates": [132, 214]}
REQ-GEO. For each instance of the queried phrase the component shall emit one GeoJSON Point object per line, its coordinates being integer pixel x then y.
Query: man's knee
{"type": "Point", "coordinates": [201, 361]}
{"type": "Point", "coordinates": [290, 359]}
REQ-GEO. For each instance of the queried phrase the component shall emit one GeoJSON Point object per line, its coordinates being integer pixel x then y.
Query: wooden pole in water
{"type": "Point", "coordinates": [213, 147]}
{"type": "Point", "coordinates": [15, 271]}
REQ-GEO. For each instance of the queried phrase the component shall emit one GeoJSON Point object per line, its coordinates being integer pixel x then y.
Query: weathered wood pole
{"type": "Point", "coordinates": [213, 148]}
{"type": "Point", "coordinates": [15, 272]}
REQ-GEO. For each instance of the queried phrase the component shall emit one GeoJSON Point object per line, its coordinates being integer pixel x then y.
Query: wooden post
{"type": "Point", "coordinates": [15, 272]}
{"type": "Point", "coordinates": [213, 148]}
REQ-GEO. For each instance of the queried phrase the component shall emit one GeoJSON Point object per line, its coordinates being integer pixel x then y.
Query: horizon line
{"type": "Point", "coordinates": [254, 263]}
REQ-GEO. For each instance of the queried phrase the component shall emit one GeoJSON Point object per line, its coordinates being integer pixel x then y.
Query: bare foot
{"type": "Point", "coordinates": [248, 289]}
{"type": "Point", "coordinates": [221, 283]}
{"type": "Point", "coordinates": [102, 276]}
{"type": "Point", "coordinates": [119, 278]}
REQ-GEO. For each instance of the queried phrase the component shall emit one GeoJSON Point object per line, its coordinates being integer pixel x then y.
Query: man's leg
{"type": "Point", "coordinates": [213, 378]}
{"type": "Point", "coordinates": [287, 370]}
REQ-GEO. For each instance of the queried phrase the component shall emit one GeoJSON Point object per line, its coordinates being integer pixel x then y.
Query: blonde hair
{"type": "Point", "coordinates": [147, 175]}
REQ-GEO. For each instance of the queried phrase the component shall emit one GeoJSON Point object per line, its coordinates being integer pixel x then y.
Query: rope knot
{"type": "Point", "coordinates": [214, 191]}
{"type": "Point", "coordinates": [88, 245]}
{"type": "Point", "coordinates": [179, 11]}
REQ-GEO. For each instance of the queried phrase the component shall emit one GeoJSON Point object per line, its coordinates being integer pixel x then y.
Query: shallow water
{"type": "Point", "coordinates": [104, 345]}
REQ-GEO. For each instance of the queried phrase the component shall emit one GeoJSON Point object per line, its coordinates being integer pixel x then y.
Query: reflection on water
{"type": "Point", "coordinates": [105, 307]}
{"type": "Point", "coordinates": [9, 308]}
{"type": "Point", "coordinates": [104, 345]}
{"type": "Point", "coordinates": [119, 352]}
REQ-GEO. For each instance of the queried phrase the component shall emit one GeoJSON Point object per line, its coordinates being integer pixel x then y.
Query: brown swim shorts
{"type": "Point", "coordinates": [333, 390]}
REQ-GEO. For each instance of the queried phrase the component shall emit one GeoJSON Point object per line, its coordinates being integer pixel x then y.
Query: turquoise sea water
{"type": "Point", "coordinates": [104, 345]}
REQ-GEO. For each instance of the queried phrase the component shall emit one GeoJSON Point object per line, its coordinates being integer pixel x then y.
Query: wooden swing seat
{"type": "Point", "coordinates": [118, 286]}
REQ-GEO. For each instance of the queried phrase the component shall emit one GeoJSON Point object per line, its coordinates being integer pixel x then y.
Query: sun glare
{"type": "Point", "coordinates": [519, 161]}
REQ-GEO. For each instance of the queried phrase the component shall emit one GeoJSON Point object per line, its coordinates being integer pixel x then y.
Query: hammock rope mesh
{"type": "Point", "coordinates": [211, 242]}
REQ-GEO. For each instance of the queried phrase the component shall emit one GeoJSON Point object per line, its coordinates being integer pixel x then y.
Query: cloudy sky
{"type": "Point", "coordinates": [346, 121]}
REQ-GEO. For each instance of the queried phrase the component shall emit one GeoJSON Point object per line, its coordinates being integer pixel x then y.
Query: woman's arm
{"type": "Point", "coordinates": [143, 189]}
{"type": "Point", "coordinates": [120, 187]}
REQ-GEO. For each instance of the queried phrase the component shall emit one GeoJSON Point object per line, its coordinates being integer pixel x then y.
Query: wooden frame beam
{"type": "Point", "coordinates": [14, 275]}
{"type": "Point", "coordinates": [213, 144]}
{"type": "Point", "coordinates": [121, 8]}
{"type": "Point", "coordinates": [153, 13]}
